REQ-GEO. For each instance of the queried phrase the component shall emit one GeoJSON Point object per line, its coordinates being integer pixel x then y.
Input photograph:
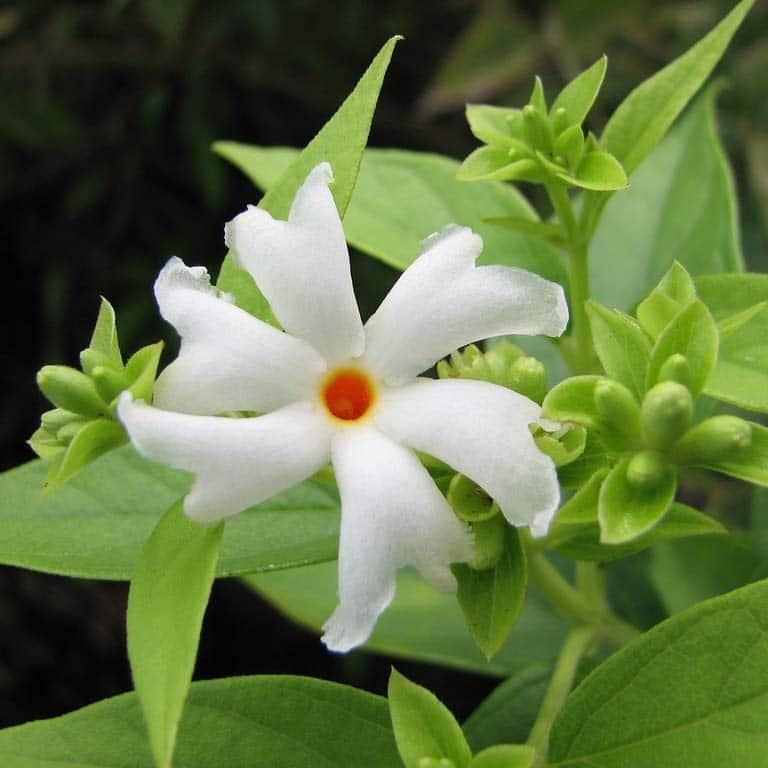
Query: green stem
{"type": "Point", "coordinates": [587, 606]}
{"type": "Point", "coordinates": [576, 644]}
{"type": "Point", "coordinates": [578, 348]}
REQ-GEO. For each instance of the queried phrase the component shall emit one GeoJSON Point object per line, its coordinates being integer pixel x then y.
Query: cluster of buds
{"type": "Point", "coordinates": [83, 426]}
{"type": "Point", "coordinates": [540, 144]}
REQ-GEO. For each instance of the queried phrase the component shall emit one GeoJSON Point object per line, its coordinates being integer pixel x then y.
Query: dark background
{"type": "Point", "coordinates": [107, 113]}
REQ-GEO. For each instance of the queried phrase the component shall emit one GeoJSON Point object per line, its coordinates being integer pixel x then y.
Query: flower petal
{"type": "Point", "coordinates": [481, 430]}
{"type": "Point", "coordinates": [392, 515]}
{"type": "Point", "coordinates": [237, 462]}
{"type": "Point", "coordinates": [302, 267]}
{"type": "Point", "coordinates": [229, 360]}
{"type": "Point", "coordinates": [443, 301]}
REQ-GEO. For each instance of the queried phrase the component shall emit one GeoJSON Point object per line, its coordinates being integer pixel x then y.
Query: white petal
{"type": "Point", "coordinates": [481, 430]}
{"type": "Point", "coordinates": [443, 301]}
{"type": "Point", "coordinates": [237, 462]}
{"type": "Point", "coordinates": [229, 360]}
{"type": "Point", "coordinates": [391, 515]}
{"type": "Point", "coordinates": [302, 267]}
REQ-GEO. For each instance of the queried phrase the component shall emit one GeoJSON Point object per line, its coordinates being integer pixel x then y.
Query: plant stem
{"type": "Point", "coordinates": [587, 606]}
{"type": "Point", "coordinates": [576, 644]}
{"type": "Point", "coordinates": [579, 347]}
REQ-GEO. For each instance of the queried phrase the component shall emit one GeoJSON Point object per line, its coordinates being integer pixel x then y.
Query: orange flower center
{"type": "Point", "coordinates": [348, 394]}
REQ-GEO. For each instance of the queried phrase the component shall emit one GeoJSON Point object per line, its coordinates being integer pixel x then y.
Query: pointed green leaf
{"type": "Point", "coordinates": [240, 722]}
{"type": "Point", "coordinates": [626, 511]}
{"type": "Point", "coordinates": [538, 99]}
{"type": "Point", "coordinates": [622, 346]}
{"type": "Point", "coordinates": [741, 374]}
{"type": "Point", "coordinates": [600, 171]}
{"type": "Point", "coordinates": [423, 726]}
{"type": "Point", "coordinates": [692, 691]}
{"type": "Point", "coordinates": [669, 213]}
{"type": "Point", "coordinates": [95, 525]}
{"type": "Point", "coordinates": [505, 756]}
{"type": "Point", "coordinates": [340, 142]}
{"type": "Point", "coordinates": [168, 596]}
{"type": "Point", "coordinates": [570, 145]}
{"type": "Point", "coordinates": [91, 441]}
{"type": "Point", "coordinates": [492, 124]}
{"type": "Point", "coordinates": [104, 338]}
{"type": "Point", "coordinates": [574, 400]}
{"type": "Point", "coordinates": [495, 164]}
{"type": "Point", "coordinates": [402, 196]}
{"type": "Point", "coordinates": [693, 334]}
{"type": "Point", "coordinates": [492, 599]}
{"type": "Point", "coordinates": [675, 290]}
{"type": "Point", "coordinates": [578, 96]}
{"type": "Point", "coordinates": [141, 371]}
{"type": "Point", "coordinates": [642, 119]}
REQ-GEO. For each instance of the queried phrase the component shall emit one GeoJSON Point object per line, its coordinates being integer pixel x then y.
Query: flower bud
{"type": "Point", "coordinates": [617, 406]}
{"type": "Point", "coordinates": [490, 539]}
{"type": "Point", "coordinates": [90, 358]}
{"type": "Point", "coordinates": [528, 376]}
{"type": "Point", "coordinates": [109, 382]}
{"type": "Point", "coordinates": [56, 418]}
{"type": "Point", "coordinates": [501, 357]}
{"type": "Point", "coordinates": [676, 368]}
{"type": "Point", "coordinates": [68, 431]}
{"type": "Point", "coordinates": [713, 441]}
{"type": "Point", "coordinates": [647, 470]}
{"type": "Point", "coordinates": [469, 501]}
{"type": "Point", "coordinates": [71, 390]}
{"type": "Point", "coordinates": [666, 413]}
{"type": "Point", "coordinates": [560, 120]}
{"type": "Point", "coordinates": [470, 363]}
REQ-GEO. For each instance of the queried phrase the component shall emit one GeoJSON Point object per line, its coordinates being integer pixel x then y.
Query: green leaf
{"type": "Point", "coordinates": [574, 400]}
{"type": "Point", "coordinates": [92, 440]}
{"type": "Point", "coordinates": [750, 463]}
{"type": "Point", "coordinates": [141, 370]}
{"type": "Point", "coordinates": [621, 345]}
{"type": "Point", "coordinates": [626, 511]}
{"type": "Point", "coordinates": [423, 726]}
{"type": "Point", "coordinates": [95, 525]}
{"type": "Point", "coordinates": [680, 521]}
{"type": "Point", "coordinates": [494, 164]}
{"type": "Point", "coordinates": [684, 573]}
{"type": "Point", "coordinates": [693, 334]}
{"type": "Point", "coordinates": [104, 338]}
{"type": "Point", "coordinates": [492, 125]}
{"type": "Point", "coordinates": [669, 212]}
{"type": "Point", "coordinates": [537, 99]}
{"type": "Point", "coordinates": [692, 691]}
{"type": "Point", "coordinates": [166, 603]}
{"type": "Point", "coordinates": [599, 171]}
{"type": "Point", "coordinates": [492, 599]}
{"type": "Point", "coordinates": [401, 197]}
{"type": "Point", "coordinates": [508, 714]}
{"type": "Point", "coordinates": [505, 756]}
{"type": "Point", "coordinates": [552, 233]}
{"type": "Point", "coordinates": [578, 96]}
{"type": "Point", "coordinates": [258, 722]}
{"type": "Point", "coordinates": [407, 628]}
{"type": "Point", "coordinates": [642, 119]}
{"type": "Point", "coordinates": [741, 374]}
{"type": "Point", "coordinates": [340, 142]}
{"type": "Point", "coordinates": [674, 291]}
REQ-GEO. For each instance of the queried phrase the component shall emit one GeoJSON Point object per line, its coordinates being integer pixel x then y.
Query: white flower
{"type": "Point", "coordinates": [334, 390]}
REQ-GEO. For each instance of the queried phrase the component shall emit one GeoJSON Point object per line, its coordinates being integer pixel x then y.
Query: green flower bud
{"type": "Point", "coordinates": [469, 501]}
{"type": "Point", "coordinates": [91, 358]}
{"type": "Point", "coordinates": [68, 431]}
{"type": "Point", "coordinates": [666, 413]}
{"type": "Point", "coordinates": [490, 538]}
{"type": "Point", "coordinates": [647, 470]}
{"type": "Point", "coordinates": [560, 120]}
{"type": "Point", "coordinates": [500, 358]}
{"type": "Point", "coordinates": [528, 376]}
{"type": "Point", "coordinates": [71, 390]}
{"type": "Point", "coordinates": [470, 363]}
{"type": "Point", "coordinates": [713, 441]}
{"type": "Point", "coordinates": [676, 368]}
{"type": "Point", "coordinates": [537, 130]}
{"type": "Point", "coordinates": [45, 444]}
{"type": "Point", "coordinates": [618, 408]}
{"type": "Point", "coordinates": [55, 419]}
